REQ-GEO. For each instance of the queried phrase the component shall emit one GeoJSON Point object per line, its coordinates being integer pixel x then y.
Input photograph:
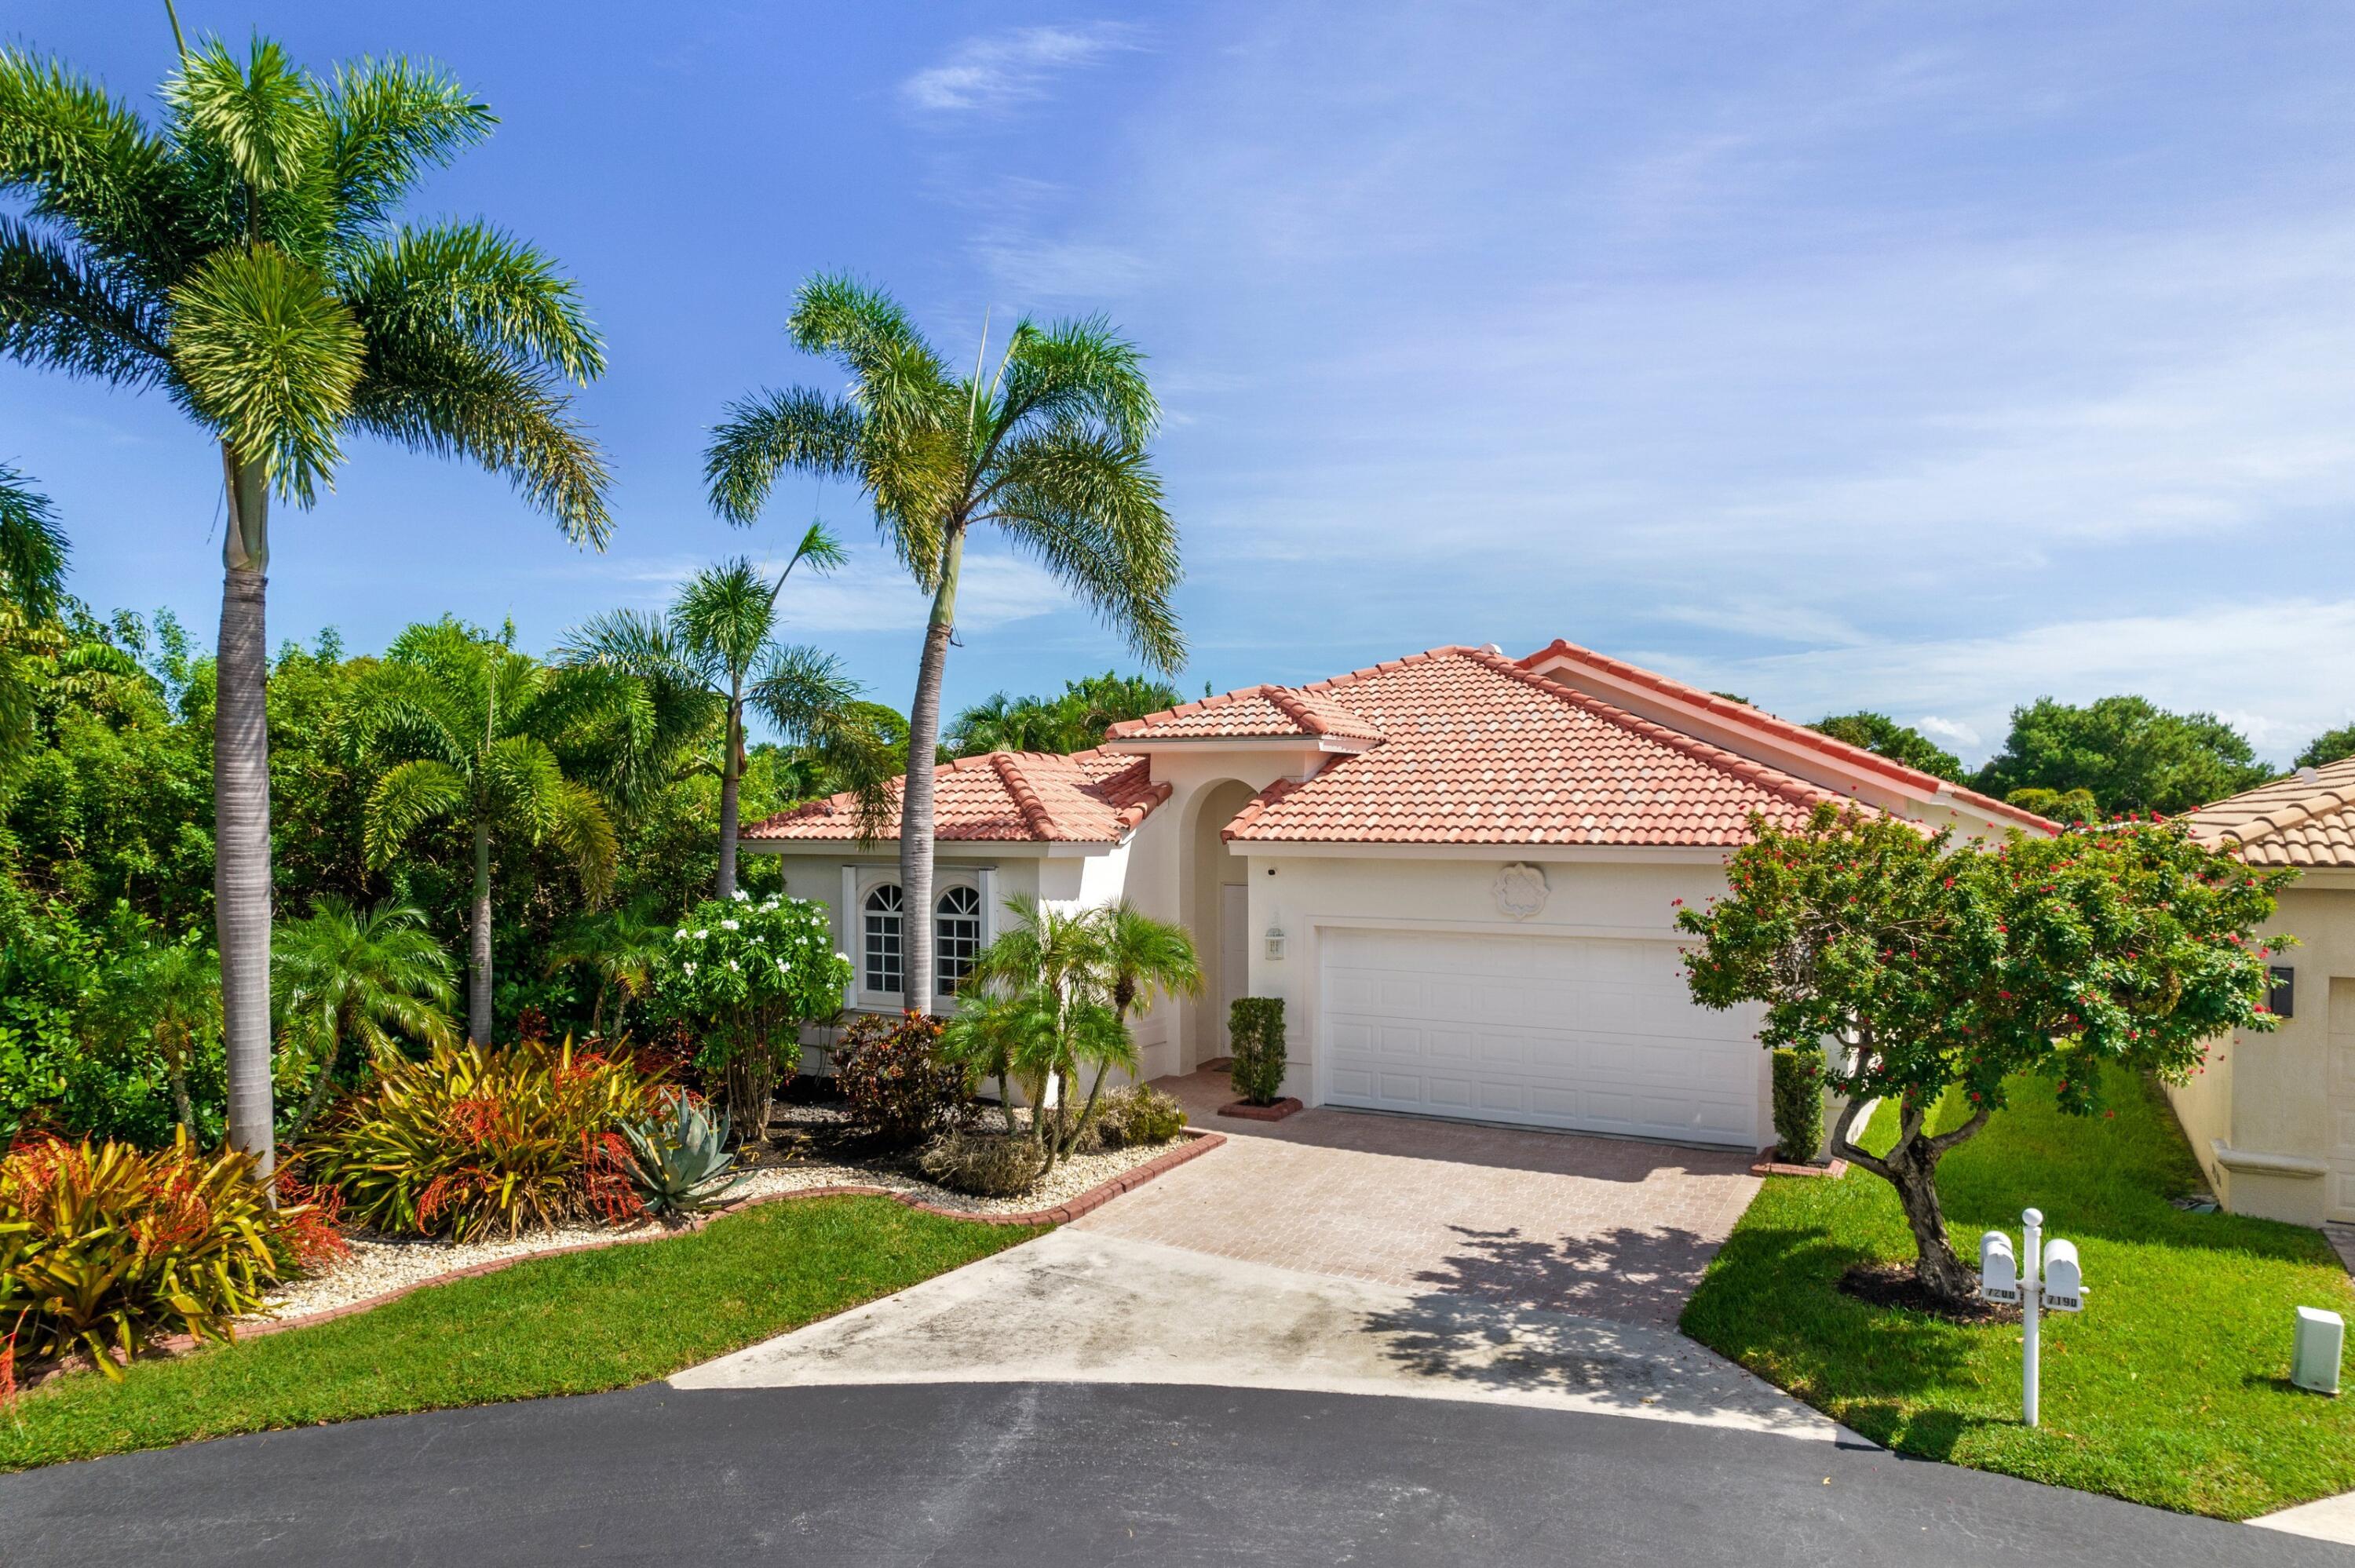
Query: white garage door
{"type": "Point", "coordinates": [1595, 1033]}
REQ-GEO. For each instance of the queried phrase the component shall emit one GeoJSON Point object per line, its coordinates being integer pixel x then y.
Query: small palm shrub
{"type": "Point", "coordinates": [678, 1160]}
{"type": "Point", "coordinates": [894, 1083]}
{"type": "Point", "coordinates": [104, 1247]}
{"type": "Point", "coordinates": [985, 1164]}
{"type": "Point", "coordinates": [1255, 1028]}
{"type": "Point", "coordinates": [1140, 1114]}
{"type": "Point", "coordinates": [1798, 1104]}
{"type": "Point", "coordinates": [475, 1140]}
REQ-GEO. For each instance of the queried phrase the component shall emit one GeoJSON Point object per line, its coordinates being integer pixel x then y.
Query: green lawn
{"type": "Point", "coordinates": [573, 1324]}
{"type": "Point", "coordinates": [2171, 1389]}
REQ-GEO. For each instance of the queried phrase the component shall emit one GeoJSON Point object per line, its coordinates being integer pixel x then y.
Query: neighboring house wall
{"type": "Point", "coordinates": [2273, 1118]}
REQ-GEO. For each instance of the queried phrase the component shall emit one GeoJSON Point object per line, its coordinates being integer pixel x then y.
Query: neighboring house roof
{"type": "Point", "coordinates": [1089, 797]}
{"type": "Point", "coordinates": [1742, 715]}
{"type": "Point", "coordinates": [1479, 750]}
{"type": "Point", "coordinates": [2306, 820]}
{"type": "Point", "coordinates": [1251, 712]}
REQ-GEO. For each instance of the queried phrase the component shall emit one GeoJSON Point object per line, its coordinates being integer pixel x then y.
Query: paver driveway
{"type": "Point", "coordinates": [1538, 1221]}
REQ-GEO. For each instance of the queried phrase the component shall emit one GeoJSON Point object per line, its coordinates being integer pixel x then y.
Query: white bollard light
{"type": "Point", "coordinates": [2313, 1358]}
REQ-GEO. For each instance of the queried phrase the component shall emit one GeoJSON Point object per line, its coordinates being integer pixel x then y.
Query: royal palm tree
{"type": "Point", "coordinates": [1049, 449]}
{"type": "Point", "coordinates": [369, 978]}
{"type": "Point", "coordinates": [716, 650]}
{"type": "Point", "coordinates": [246, 256]}
{"type": "Point", "coordinates": [472, 727]}
{"type": "Point", "coordinates": [621, 947]}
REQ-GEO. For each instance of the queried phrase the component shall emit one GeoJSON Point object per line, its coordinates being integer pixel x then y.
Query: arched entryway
{"type": "Point", "coordinates": [1214, 910]}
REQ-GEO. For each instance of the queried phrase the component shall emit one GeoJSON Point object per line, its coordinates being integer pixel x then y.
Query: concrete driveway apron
{"type": "Point", "coordinates": [1343, 1252]}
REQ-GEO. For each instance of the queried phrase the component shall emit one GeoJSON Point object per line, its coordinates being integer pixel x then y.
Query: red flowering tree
{"type": "Point", "coordinates": [1929, 967]}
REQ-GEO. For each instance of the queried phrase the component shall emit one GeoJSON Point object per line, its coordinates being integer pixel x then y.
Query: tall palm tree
{"type": "Point", "coordinates": [472, 723]}
{"type": "Point", "coordinates": [716, 650]}
{"type": "Point", "coordinates": [621, 947]}
{"type": "Point", "coordinates": [246, 256]}
{"type": "Point", "coordinates": [364, 977]}
{"type": "Point", "coordinates": [1049, 449]}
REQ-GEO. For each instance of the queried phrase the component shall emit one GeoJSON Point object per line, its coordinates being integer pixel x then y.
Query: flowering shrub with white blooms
{"type": "Point", "coordinates": [745, 975]}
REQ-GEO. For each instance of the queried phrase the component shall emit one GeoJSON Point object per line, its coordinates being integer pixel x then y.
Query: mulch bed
{"type": "Point", "coordinates": [1893, 1285]}
{"type": "Point", "coordinates": [1246, 1111]}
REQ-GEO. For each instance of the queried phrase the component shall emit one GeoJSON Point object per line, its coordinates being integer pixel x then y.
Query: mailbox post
{"type": "Point", "coordinates": [2037, 1278]}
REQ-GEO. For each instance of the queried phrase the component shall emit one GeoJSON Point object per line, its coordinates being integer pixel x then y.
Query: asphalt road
{"type": "Point", "coordinates": [1037, 1476]}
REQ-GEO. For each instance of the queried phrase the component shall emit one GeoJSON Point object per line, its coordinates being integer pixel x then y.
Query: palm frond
{"type": "Point", "coordinates": [765, 435]}
{"type": "Point", "coordinates": [32, 548]}
{"type": "Point", "coordinates": [726, 612]}
{"type": "Point", "coordinates": [266, 117]}
{"type": "Point", "coordinates": [91, 164]}
{"type": "Point", "coordinates": [61, 311]}
{"type": "Point", "coordinates": [461, 399]}
{"type": "Point", "coordinates": [1088, 506]}
{"type": "Point", "coordinates": [579, 826]}
{"type": "Point", "coordinates": [409, 796]}
{"type": "Point", "coordinates": [804, 693]}
{"type": "Point", "coordinates": [1079, 371]}
{"type": "Point", "coordinates": [390, 121]}
{"type": "Point", "coordinates": [471, 282]}
{"type": "Point", "coordinates": [269, 358]}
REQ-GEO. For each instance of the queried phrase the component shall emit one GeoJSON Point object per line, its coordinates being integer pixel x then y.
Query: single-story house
{"type": "Point", "coordinates": [2272, 1115]}
{"type": "Point", "coordinates": [1460, 871]}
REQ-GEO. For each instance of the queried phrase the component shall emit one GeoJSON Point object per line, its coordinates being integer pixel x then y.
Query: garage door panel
{"type": "Point", "coordinates": [1594, 1034]}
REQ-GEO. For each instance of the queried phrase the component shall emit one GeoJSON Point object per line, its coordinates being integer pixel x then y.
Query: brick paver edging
{"type": "Point", "coordinates": [1197, 1143]}
{"type": "Point", "coordinates": [1771, 1167]}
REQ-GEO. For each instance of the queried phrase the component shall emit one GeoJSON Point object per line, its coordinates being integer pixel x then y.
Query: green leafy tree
{"type": "Point", "coordinates": [1049, 450]}
{"type": "Point", "coordinates": [165, 996]}
{"type": "Point", "coordinates": [745, 975]}
{"type": "Point", "coordinates": [471, 726]}
{"type": "Point", "coordinates": [623, 948]}
{"type": "Point", "coordinates": [1884, 736]}
{"type": "Point", "coordinates": [246, 256]}
{"type": "Point", "coordinates": [2330, 746]}
{"type": "Point", "coordinates": [717, 650]}
{"type": "Point", "coordinates": [2130, 755]}
{"type": "Point", "coordinates": [1075, 721]}
{"type": "Point", "coordinates": [370, 978]}
{"type": "Point", "coordinates": [2077, 808]}
{"type": "Point", "coordinates": [1932, 969]}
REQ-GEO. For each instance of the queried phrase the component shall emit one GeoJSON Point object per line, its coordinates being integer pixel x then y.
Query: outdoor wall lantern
{"type": "Point", "coordinates": [2038, 1277]}
{"type": "Point", "coordinates": [1276, 942]}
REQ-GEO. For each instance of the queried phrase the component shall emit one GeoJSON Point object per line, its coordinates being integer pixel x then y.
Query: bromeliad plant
{"type": "Point", "coordinates": [678, 1160]}
{"type": "Point", "coordinates": [104, 1247]}
{"type": "Point", "coordinates": [744, 976]}
{"type": "Point", "coordinates": [472, 1140]}
{"type": "Point", "coordinates": [1954, 969]}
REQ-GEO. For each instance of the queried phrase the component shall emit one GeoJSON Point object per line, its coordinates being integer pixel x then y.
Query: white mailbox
{"type": "Point", "coordinates": [2065, 1282]}
{"type": "Point", "coordinates": [1998, 1269]}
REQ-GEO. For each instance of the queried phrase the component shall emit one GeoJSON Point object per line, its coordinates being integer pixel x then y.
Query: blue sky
{"type": "Point", "coordinates": [1921, 358]}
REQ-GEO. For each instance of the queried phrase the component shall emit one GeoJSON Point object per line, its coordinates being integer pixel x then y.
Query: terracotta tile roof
{"type": "Point", "coordinates": [1251, 711]}
{"type": "Point", "coordinates": [1479, 750]}
{"type": "Point", "coordinates": [1089, 797]}
{"type": "Point", "coordinates": [1758, 719]}
{"type": "Point", "coordinates": [2298, 820]}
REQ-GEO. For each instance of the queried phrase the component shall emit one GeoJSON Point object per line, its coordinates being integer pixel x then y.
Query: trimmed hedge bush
{"type": "Point", "coordinates": [1255, 1035]}
{"type": "Point", "coordinates": [1798, 1104]}
{"type": "Point", "coordinates": [1139, 1114]}
{"type": "Point", "coordinates": [986, 1164]}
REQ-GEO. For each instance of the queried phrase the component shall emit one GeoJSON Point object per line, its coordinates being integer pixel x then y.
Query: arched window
{"type": "Point", "coordinates": [883, 966]}
{"type": "Point", "coordinates": [956, 936]}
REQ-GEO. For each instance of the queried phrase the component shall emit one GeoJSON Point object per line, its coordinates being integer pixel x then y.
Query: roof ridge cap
{"type": "Point", "coordinates": [1034, 810]}
{"type": "Point", "coordinates": [1288, 703]}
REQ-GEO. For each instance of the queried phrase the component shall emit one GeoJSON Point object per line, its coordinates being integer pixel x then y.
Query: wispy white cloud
{"type": "Point", "coordinates": [1948, 730]}
{"type": "Point", "coordinates": [873, 595]}
{"type": "Point", "coordinates": [996, 72]}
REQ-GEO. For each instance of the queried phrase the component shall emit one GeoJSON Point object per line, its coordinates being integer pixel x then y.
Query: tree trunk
{"type": "Point", "coordinates": [916, 800]}
{"type": "Point", "coordinates": [181, 1106]}
{"type": "Point", "coordinates": [478, 957]}
{"type": "Point", "coordinates": [241, 812]}
{"type": "Point", "coordinates": [752, 1083]}
{"type": "Point", "coordinates": [731, 748]}
{"type": "Point", "coordinates": [320, 1090]}
{"type": "Point", "coordinates": [1912, 1167]}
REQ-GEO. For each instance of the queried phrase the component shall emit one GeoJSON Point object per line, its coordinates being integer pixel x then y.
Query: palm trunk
{"type": "Point", "coordinates": [731, 745]}
{"type": "Point", "coordinates": [241, 812]}
{"type": "Point", "coordinates": [478, 959]}
{"type": "Point", "coordinates": [319, 1091]}
{"type": "Point", "coordinates": [181, 1106]}
{"type": "Point", "coordinates": [916, 801]}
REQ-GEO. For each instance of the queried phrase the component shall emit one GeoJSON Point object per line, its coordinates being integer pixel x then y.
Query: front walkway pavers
{"type": "Point", "coordinates": [1080, 1305]}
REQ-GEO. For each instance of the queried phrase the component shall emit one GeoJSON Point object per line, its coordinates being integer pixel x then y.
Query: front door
{"type": "Point", "coordinates": [1234, 959]}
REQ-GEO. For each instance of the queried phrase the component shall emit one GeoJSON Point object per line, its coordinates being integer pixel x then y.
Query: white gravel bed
{"type": "Point", "coordinates": [380, 1264]}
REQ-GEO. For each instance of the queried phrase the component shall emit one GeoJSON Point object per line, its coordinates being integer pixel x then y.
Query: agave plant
{"type": "Point", "coordinates": [679, 1161]}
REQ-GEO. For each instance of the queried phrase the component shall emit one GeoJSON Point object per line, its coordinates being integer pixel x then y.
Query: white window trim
{"type": "Point", "coordinates": [859, 881]}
